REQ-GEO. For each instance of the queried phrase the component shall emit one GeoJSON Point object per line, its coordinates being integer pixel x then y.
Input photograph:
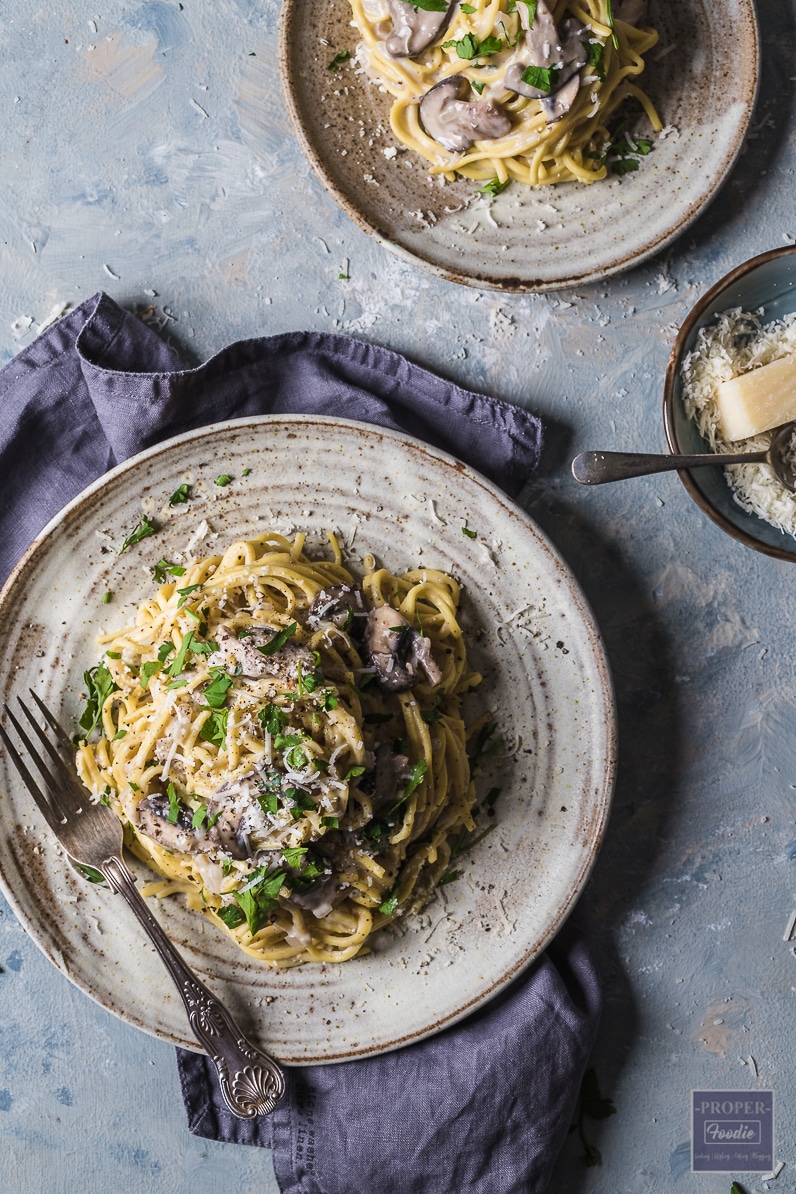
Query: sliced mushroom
{"type": "Point", "coordinates": [547, 48]}
{"type": "Point", "coordinates": [453, 120]}
{"type": "Point", "coordinates": [321, 898]}
{"type": "Point", "coordinates": [559, 103]}
{"type": "Point", "coordinates": [397, 651]}
{"type": "Point", "coordinates": [337, 605]}
{"type": "Point", "coordinates": [153, 820]}
{"type": "Point", "coordinates": [385, 781]}
{"type": "Point", "coordinates": [243, 657]}
{"type": "Point", "coordinates": [413, 29]}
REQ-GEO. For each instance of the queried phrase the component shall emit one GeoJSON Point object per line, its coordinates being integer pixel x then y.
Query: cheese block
{"type": "Point", "coordinates": [758, 400]}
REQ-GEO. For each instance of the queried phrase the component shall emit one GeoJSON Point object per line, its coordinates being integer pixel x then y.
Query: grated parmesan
{"type": "Point", "coordinates": [737, 342]}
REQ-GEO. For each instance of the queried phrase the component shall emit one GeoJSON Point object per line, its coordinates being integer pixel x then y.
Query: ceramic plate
{"type": "Point", "coordinates": [546, 681]}
{"type": "Point", "coordinates": [702, 81]}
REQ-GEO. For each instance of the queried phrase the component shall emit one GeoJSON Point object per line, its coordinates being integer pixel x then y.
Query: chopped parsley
{"type": "Point", "coordinates": [106, 596]}
{"type": "Point", "coordinates": [148, 670]}
{"type": "Point", "coordinates": [293, 855]}
{"type": "Point", "coordinates": [90, 872]}
{"type": "Point", "coordinates": [119, 734]}
{"type": "Point", "coordinates": [272, 719]}
{"type": "Point", "coordinates": [245, 472]}
{"type": "Point", "coordinates": [468, 8]}
{"type": "Point", "coordinates": [174, 804]}
{"type": "Point", "coordinates": [493, 187]}
{"type": "Point", "coordinates": [469, 47]}
{"type": "Point", "coordinates": [450, 877]}
{"type": "Point", "coordinates": [100, 684]}
{"type": "Point", "coordinates": [178, 663]}
{"type": "Point", "coordinates": [163, 569]}
{"type": "Point", "coordinates": [479, 87]}
{"type": "Point", "coordinates": [199, 816]}
{"type": "Point", "coordinates": [610, 19]}
{"type": "Point", "coordinates": [330, 701]}
{"type": "Point", "coordinates": [114, 654]}
{"type": "Point", "coordinates": [543, 78]}
{"type": "Point", "coordinates": [388, 907]}
{"type": "Point", "coordinates": [185, 593]}
{"type": "Point", "coordinates": [214, 730]}
{"type": "Point", "coordinates": [142, 530]}
{"type": "Point", "coordinates": [595, 56]}
{"type": "Point", "coordinates": [470, 534]}
{"type": "Point", "coordinates": [330, 822]}
{"type": "Point", "coordinates": [231, 915]}
{"type": "Point", "coordinates": [216, 693]}
{"type": "Point", "coordinates": [353, 772]}
{"type": "Point", "coordinates": [222, 480]}
{"type": "Point", "coordinates": [415, 779]}
{"type": "Point", "coordinates": [180, 495]}
{"type": "Point", "coordinates": [164, 650]}
{"type": "Point", "coordinates": [279, 640]}
{"type": "Point", "coordinates": [339, 59]}
{"type": "Point", "coordinates": [259, 901]}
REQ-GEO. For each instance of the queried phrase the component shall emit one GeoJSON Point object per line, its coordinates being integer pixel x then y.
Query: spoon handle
{"type": "Point", "coordinates": [595, 468]}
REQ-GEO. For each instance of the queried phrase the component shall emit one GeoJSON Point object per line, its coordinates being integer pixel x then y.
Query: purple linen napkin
{"type": "Point", "coordinates": [483, 1107]}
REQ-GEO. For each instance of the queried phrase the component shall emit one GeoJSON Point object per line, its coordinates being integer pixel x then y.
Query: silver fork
{"type": "Point", "coordinates": [251, 1082]}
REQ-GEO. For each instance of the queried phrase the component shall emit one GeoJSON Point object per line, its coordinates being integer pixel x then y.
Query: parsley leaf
{"type": "Point", "coordinates": [279, 640]}
{"type": "Point", "coordinates": [468, 8]}
{"type": "Point", "coordinates": [469, 47]}
{"type": "Point", "coordinates": [142, 530]}
{"type": "Point", "coordinates": [100, 685]}
{"type": "Point", "coordinates": [198, 819]}
{"type": "Point", "coordinates": [260, 900]}
{"type": "Point", "coordinates": [223, 479]}
{"type": "Point", "coordinates": [543, 78]}
{"type": "Point", "coordinates": [339, 59]}
{"type": "Point", "coordinates": [148, 670]}
{"type": "Point", "coordinates": [493, 187]}
{"type": "Point", "coordinates": [470, 534]}
{"type": "Point", "coordinates": [216, 693]}
{"type": "Point", "coordinates": [180, 495]}
{"type": "Point", "coordinates": [415, 779]}
{"type": "Point", "coordinates": [429, 5]}
{"type": "Point", "coordinates": [293, 855]}
{"type": "Point", "coordinates": [479, 87]}
{"type": "Point", "coordinates": [185, 593]}
{"type": "Point", "coordinates": [178, 663]}
{"type": "Point", "coordinates": [450, 877]}
{"type": "Point", "coordinates": [164, 650]}
{"type": "Point", "coordinates": [214, 730]}
{"type": "Point", "coordinates": [174, 804]}
{"type": "Point", "coordinates": [353, 772]}
{"type": "Point", "coordinates": [163, 569]}
{"type": "Point", "coordinates": [272, 719]}
{"type": "Point", "coordinates": [388, 907]}
{"type": "Point", "coordinates": [231, 915]}
{"type": "Point", "coordinates": [610, 18]}
{"type": "Point", "coordinates": [595, 56]}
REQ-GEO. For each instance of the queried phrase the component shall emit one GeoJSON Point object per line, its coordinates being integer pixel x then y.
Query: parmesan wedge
{"type": "Point", "coordinates": [758, 400]}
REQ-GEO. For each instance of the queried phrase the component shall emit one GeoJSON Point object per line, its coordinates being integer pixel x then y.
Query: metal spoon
{"type": "Point", "coordinates": [595, 468]}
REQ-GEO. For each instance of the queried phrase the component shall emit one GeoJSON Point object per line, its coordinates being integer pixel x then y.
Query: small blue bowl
{"type": "Point", "coordinates": [767, 281]}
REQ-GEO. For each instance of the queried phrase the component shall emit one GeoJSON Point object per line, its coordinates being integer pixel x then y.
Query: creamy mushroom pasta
{"type": "Point", "coordinates": [284, 745]}
{"type": "Point", "coordinates": [511, 89]}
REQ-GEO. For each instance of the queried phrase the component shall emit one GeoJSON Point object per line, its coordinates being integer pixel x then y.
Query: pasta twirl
{"type": "Point", "coordinates": [566, 132]}
{"type": "Point", "coordinates": [285, 746]}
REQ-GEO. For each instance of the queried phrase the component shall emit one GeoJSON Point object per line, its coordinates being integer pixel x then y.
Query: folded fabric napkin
{"type": "Point", "coordinates": [483, 1107]}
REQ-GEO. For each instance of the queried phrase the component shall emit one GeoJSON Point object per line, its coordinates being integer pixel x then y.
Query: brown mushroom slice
{"type": "Point", "coordinates": [547, 48]}
{"type": "Point", "coordinates": [336, 605]}
{"type": "Point", "coordinates": [397, 651]}
{"type": "Point", "coordinates": [453, 120]}
{"type": "Point", "coordinates": [413, 29]}
{"type": "Point", "coordinates": [179, 835]}
{"type": "Point", "coordinates": [242, 656]}
{"type": "Point", "coordinates": [559, 103]}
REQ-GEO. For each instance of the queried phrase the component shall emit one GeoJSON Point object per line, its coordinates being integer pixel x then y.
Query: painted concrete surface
{"type": "Point", "coordinates": [146, 151]}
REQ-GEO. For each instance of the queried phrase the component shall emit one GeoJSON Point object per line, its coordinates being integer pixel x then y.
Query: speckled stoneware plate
{"type": "Point", "coordinates": [532, 634]}
{"type": "Point", "coordinates": [703, 83]}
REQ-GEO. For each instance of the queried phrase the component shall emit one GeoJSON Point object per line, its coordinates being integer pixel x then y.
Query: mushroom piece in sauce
{"type": "Point", "coordinates": [243, 656]}
{"type": "Point", "coordinates": [153, 820]}
{"type": "Point", "coordinates": [450, 118]}
{"type": "Point", "coordinates": [413, 29]}
{"type": "Point", "coordinates": [563, 52]}
{"type": "Point", "coordinates": [397, 652]}
{"type": "Point", "coordinates": [336, 605]}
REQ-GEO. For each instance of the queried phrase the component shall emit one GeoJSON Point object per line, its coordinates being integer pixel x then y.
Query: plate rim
{"type": "Point", "coordinates": [602, 676]}
{"type": "Point", "coordinates": [290, 12]}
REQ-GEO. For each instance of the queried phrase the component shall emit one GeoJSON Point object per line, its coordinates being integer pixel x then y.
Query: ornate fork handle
{"type": "Point", "coordinates": [250, 1081]}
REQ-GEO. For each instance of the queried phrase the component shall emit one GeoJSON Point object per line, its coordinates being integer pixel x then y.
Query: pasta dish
{"type": "Point", "coordinates": [284, 745]}
{"type": "Point", "coordinates": [501, 90]}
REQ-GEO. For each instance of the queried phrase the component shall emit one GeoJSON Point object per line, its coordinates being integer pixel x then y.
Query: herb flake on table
{"type": "Point", "coordinates": [339, 59]}
{"type": "Point", "coordinates": [165, 568]}
{"type": "Point", "coordinates": [142, 530]}
{"type": "Point", "coordinates": [493, 187]}
{"type": "Point", "coordinates": [223, 479]}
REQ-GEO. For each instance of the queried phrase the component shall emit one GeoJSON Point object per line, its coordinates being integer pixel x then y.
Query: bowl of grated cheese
{"type": "Point", "coordinates": [743, 325]}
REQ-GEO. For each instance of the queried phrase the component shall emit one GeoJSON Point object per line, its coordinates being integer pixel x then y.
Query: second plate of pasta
{"type": "Point", "coordinates": [521, 144]}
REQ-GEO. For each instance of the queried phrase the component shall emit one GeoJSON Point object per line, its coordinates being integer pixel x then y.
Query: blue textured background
{"type": "Point", "coordinates": [146, 151]}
